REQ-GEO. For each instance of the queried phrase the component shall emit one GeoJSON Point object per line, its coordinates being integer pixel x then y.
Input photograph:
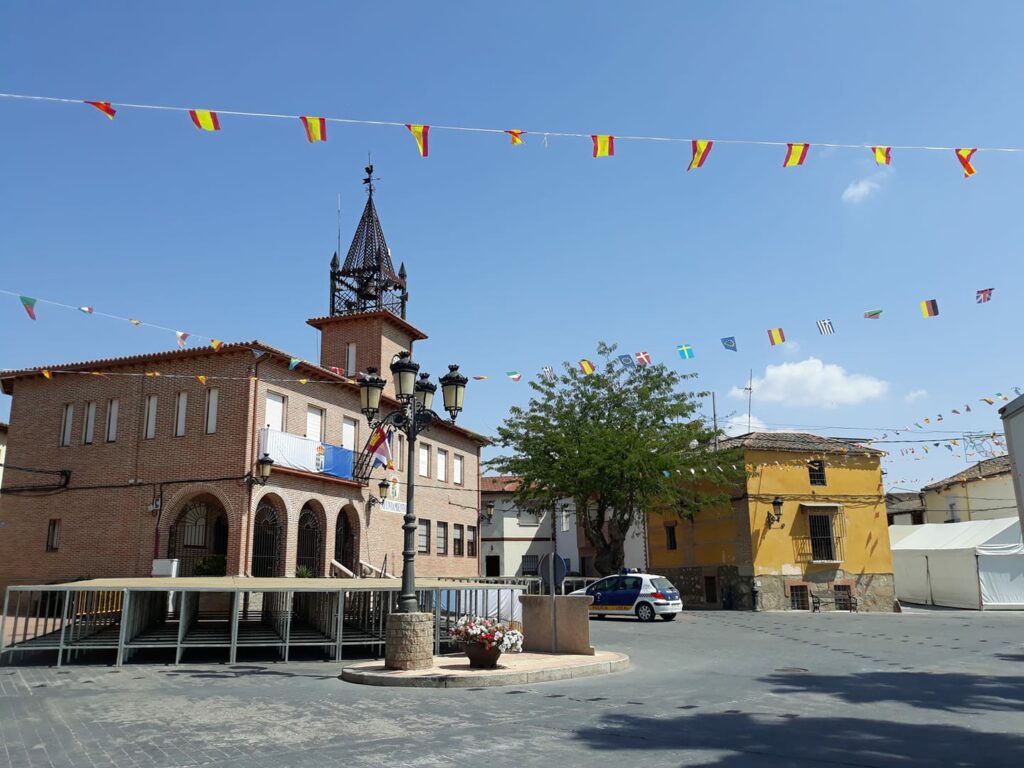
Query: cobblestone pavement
{"type": "Point", "coordinates": [943, 688]}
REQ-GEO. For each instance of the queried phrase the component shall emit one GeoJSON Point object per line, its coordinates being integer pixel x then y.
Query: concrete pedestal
{"type": "Point", "coordinates": [409, 641]}
{"type": "Point", "coordinates": [572, 619]}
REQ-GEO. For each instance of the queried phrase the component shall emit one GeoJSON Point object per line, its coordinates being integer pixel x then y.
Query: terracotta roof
{"type": "Point", "coordinates": [498, 484]}
{"type": "Point", "coordinates": [798, 442]}
{"type": "Point", "coordinates": [412, 330]}
{"type": "Point", "coordinates": [1000, 465]}
{"type": "Point", "coordinates": [4, 426]}
{"type": "Point", "coordinates": [900, 503]}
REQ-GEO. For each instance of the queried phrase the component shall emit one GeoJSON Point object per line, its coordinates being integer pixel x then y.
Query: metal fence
{"type": "Point", "coordinates": [71, 620]}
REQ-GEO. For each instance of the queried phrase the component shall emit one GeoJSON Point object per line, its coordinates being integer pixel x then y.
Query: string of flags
{"type": "Point", "coordinates": [602, 144]}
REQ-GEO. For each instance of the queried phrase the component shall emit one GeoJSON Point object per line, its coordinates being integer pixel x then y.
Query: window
{"type": "Point", "coordinates": [798, 598]}
{"type": "Point", "coordinates": [53, 536]}
{"type": "Point", "coordinates": [458, 533]}
{"type": "Point", "coordinates": [529, 565]}
{"type": "Point", "coordinates": [423, 537]}
{"type": "Point", "coordinates": [315, 423]}
{"type": "Point", "coordinates": [953, 516]}
{"type": "Point", "coordinates": [399, 455]}
{"type": "Point", "coordinates": [458, 469]}
{"type": "Point", "coordinates": [823, 546]}
{"type": "Point", "coordinates": [528, 518]}
{"type": "Point", "coordinates": [350, 359]}
{"type": "Point", "coordinates": [66, 418]}
{"type": "Point", "coordinates": [212, 401]}
{"type": "Point", "coordinates": [274, 416]}
{"type": "Point", "coordinates": [442, 538]}
{"type": "Point", "coordinates": [670, 537]}
{"type": "Point", "coordinates": [113, 407]}
{"type": "Point", "coordinates": [149, 418]}
{"type": "Point", "coordinates": [349, 433]}
{"type": "Point", "coordinates": [442, 465]}
{"type": "Point", "coordinates": [89, 423]}
{"type": "Point", "coordinates": [816, 471]}
{"type": "Point", "coordinates": [180, 413]}
{"type": "Point", "coordinates": [471, 541]}
{"type": "Point", "coordinates": [424, 461]}
{"type": "Point", "coordinates": [565, 518]}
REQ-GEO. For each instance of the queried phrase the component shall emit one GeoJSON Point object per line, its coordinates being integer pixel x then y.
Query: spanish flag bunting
{"type": "Point", "coordinates": [776, 336]}
{"type": "Point", "coordinates": [201, 379]}
{"type": "Point", "coordinates": [303, 381]}
{"type": "Point", "coordinates": [30, 305]}
{"type": "Point", "coordinates": [929, 308]}
{"type": "Point", "coordinates": [216, 344]}
{"type": "Point", "coordinates": [604, 145]}
{"type": "Point", "coordinates": [964, 156]}
{"type": "Point", "coordinates": [701, 150]}
{"type": "Point", "coordinates": [316, 128]}
{"type": "Point", "coordinates": [479, 378]}
{"type": "Point", "coordinates": [517, 137]}
{"type": "Point", "coordinates": [104, 107]}
{"type": "Point", "coordinates": [988, 400]}
{"type": "Point", "coordinates": [883, 155]}
{"type": "Point", "coordinates": [47, 374]}
{"type": "Point", "coordinates": [152, 374]}
{"type": "Point", "coordinates": [182, 338]}
{"type": "Point", "coordinates": [294, 363]}
{"type": "Point", "coordinates": [101, 374]}
{"type": "Point", "coordinates": [87, 310]}
{"type": "Point", "coordinates": [420, 133]}
{"type": "Point", "coordinates": [587, 367]}
{"type": "Point", "coordinates": [133, 321]}
{"type": "Point", "coordinates": [795, 155]}
{"type": "Point", "coordinates": [204, 119]}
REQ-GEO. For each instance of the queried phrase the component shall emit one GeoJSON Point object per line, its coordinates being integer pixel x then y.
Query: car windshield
{"type": "Point", "coordinates": [663, 585]}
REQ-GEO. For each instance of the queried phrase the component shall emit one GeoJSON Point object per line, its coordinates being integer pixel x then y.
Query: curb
{"type": "Point", "coordinates": [378, 675]}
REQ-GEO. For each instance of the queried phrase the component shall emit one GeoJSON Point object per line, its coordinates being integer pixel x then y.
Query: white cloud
{"type": "Point", "coordinates": [914, 395]}
{"type": "Point", "coordinates": [737, 425]}
{"type": "Point", "coordinates": [858, 191]}
{"type": "Point", "coordinates": [812, 382]}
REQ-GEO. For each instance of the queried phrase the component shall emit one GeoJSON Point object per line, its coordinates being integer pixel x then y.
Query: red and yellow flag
{"type": "Point", "coordinates": [701, 150]}
{"type": "Point", "coordinates": [964, 156]}
{"type": "Point", "coordinates": [883, 155]}
{"type": "Point", "coordinates": [776, 336]}
{"type": "Point", "coordinates": [204, 119]}
{"type": "Point", "coordinates": [517, 137]}
{"type": "Point", "coordinates": [201, 379]}
{"type": "Point", "coordinates": [47, 374]}
{"type": "Point", "coordinates": [604, 145]}
{"type": "Point", "coordinates": [795, 155]}
{"type": "Point", "coordinates": [316, 128]}
{"type": "Point", "coordinates": [104, 107]}
{"type": "Point", "coordinates": [420, 133]}
{"type": "Point", "coordinates": [216, 344]}
{"type": "Point", "coordinates": [587, 367]}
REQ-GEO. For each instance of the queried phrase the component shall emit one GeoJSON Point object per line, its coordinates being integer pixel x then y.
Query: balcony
{"type": "Point", "coordinates": [305, 455]}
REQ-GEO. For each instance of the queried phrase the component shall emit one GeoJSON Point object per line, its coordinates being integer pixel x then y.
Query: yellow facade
{"type": "Point", "coordinates": [829, 537]}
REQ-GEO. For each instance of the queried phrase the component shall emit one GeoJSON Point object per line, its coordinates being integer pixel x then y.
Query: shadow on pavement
{"type": "Point", "coordinates": [950, 692]}
{"type": "Point", "coordinates": [771, 740]}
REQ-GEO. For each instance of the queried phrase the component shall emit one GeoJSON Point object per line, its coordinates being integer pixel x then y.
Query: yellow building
{"type": "Point", "coordinates": [809, 522]}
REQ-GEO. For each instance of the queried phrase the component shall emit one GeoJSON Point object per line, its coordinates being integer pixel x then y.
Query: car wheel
{"type": "Point", "coordinates": [645, 612]}
{"type": "Point", "coordinates": [669, 616]}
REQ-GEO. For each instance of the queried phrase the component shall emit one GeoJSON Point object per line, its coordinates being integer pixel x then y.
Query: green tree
{"type": "Point", "coordinates": [620, 442]}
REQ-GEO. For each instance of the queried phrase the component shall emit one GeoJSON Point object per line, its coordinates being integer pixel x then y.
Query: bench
{"type": "Point", "coordinates": [843, 601]}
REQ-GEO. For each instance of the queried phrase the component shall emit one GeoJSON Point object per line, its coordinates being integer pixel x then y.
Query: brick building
{"type": "Point", "coordinates": [138, 466]}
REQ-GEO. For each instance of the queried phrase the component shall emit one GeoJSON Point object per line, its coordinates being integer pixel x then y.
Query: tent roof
{"type": "Point", "coordinates": [950, 536]}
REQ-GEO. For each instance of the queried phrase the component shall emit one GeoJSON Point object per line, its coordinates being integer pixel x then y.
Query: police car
{"type": "Point", "coordinates": [643, 594]}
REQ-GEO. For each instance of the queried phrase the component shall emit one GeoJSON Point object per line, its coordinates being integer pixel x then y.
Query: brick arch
{"type": "Point", "coordinates": [347, 537]}
{"type": "Point", "coordinates": [271, 534]}
{"type": "Point", "coordinates": [175, 503]}
{"type": "Point", "coordinates": [311, 537]}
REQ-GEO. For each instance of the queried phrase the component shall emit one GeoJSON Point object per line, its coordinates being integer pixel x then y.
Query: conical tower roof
{"type": "Point", "coordinates": [369, 252]}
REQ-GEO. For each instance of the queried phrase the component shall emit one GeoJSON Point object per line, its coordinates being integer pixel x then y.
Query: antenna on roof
{"type": "Point", "coordinates": [749, 389]}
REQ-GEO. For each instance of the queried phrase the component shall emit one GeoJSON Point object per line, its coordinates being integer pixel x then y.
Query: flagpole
{"type": "Point", "coordinates": [750, 394]}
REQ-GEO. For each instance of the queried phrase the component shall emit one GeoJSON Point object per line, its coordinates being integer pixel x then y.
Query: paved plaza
{"type": "Point", "coordinates": [943, 688]}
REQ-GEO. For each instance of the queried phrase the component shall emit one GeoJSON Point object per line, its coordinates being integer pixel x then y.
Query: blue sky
{"type": "Point", "coordinates": [527, 256]}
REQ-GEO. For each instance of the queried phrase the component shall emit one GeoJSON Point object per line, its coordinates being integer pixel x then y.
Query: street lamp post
{"type": "Point", "coordinates": [414, 415]}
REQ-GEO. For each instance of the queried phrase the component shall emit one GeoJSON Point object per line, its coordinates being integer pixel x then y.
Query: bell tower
{"type": "Point", "coordinates": [366, 326]}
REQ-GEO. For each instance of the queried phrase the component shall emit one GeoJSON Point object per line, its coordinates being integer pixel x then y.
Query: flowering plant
{"type": "Point", "coordinates": [490, 633]}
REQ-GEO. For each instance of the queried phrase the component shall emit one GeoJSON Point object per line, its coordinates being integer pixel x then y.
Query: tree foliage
{"type": "Point", "coordinates": [619, 442]}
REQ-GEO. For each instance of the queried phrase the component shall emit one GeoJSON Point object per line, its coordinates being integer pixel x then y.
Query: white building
{"type": "Point", "coordinates": [981, 492]}
{"type": "Point", "coordinates": [513, 541]}
{"type": "Point", "coordinates": [1013, 425]}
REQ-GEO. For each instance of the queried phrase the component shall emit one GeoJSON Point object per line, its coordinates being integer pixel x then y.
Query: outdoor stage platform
{"type": "Point", "coordinates": [179, 614]}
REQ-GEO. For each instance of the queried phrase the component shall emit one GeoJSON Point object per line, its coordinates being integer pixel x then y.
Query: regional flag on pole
{"type": "Point", "coordinates": [517, 137]}
{"type": "Point", "coordinates": [204, 119]}
{"type": "Point", "coordinates": [701, 150]}
{"type": "Point", "coordinates": [604, 145]}
{"type": "Point", "coordinates": [929, 308]}
{"type": "Point", "coordinates": [795, 155]}
{"type": "Point", "coordinates": [964, 156]}
{"type": "Point", "coordinates": [316, 128]}
{"type": "Point", "coordinates": [587, 367]}
{"type": "Point", "coordinates": [776, 336]}
{"type": "Point", "coordinates": [883, 155]}
{"type": "Point", "coordinates": [104, 107]}
{"type": "Point", "coordinates": [420, 133]}
{"type": "Point", "coordinates": [379, 446]}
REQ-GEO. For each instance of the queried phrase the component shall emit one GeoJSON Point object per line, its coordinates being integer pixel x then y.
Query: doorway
{"type": "Point", "coordinates": [492, 565]}
{"type": "Point", "coordinates": [710, 590]}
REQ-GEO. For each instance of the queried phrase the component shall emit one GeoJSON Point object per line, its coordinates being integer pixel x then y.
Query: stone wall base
{"type": "Point", "coordinates": [409, 641]}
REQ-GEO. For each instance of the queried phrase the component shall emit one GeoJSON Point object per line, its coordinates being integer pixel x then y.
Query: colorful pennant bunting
{"type": "Point", "coordinates": [201, 379]}
{"type": "Point", "coordinates": [701, 150]}
{"type": "Point", "coordinates": [604, 145]}
{"type": "Point", "coordinates": [46, 373]}
{"type": "Point", "coordinates": [642, 358]}
{"type": "Point", "coordinates": [964, 156]}
{"type": "Point", "coordinates": [30, 305]}
{"type": "Point", "coordinates": [514, 375]}
{"type": "Point", "coordinates": [685, 351]}
{"type": "Point", "coordinates": [204, 119]}
{"type": "Point", "coordinates": [587, 367]}
{"type": "Point", "coordinates": [795, 155]}
{"type": "Point", "coordinates": [825, 328]}
{"type": "Point", "coordinates": [216, 344]}
{"type": "Point", "coordinates": [873, 314]}
{"type": "Point", "coordinates": [883, 155]}
{"type": "Point", "coordinates": [316, 128]}
{"type": "Point", "coordinates": [421, 133]}
{"type": "Point", "coordinates": [776, 336]}
{"type": "Point", "coordinates": [547, 373]}
{"type": "Point", "coordinates": [627, 361]}
{"type": "Point", "coordinates": [988, 400]}
{"type": "Point", "coordinates": [86, 310]}
{"type": "Point", "coordinates": [929, 308]}
{"type": "Point", "coordinates": [984, 295]}
{"type": "Point", "coordinates": [182, 338]}
{"type": "Point", "coordinates": [133, 321]}
{"type": "Point", "coordinates": [517, 137]}
{"type": "Point", "coordinates": [294, 363]}
{"type": "Point", "coordinates": [104, 107]}
{"type": "Point", "coordinates": [479, 378]}
{"type": "Point", "coordinates": [729, 342]}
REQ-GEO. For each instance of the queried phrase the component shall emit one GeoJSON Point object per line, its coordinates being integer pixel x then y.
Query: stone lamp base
{"type": "Point", "coordinates": [409, 641]}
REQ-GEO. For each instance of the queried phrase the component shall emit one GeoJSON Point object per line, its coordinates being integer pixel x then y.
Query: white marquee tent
{"type": "Point", "coordinates": [977, 564]}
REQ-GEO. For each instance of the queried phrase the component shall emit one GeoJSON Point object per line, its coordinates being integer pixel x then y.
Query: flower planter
{"type": "Point", "coordinates": [480, 657]}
